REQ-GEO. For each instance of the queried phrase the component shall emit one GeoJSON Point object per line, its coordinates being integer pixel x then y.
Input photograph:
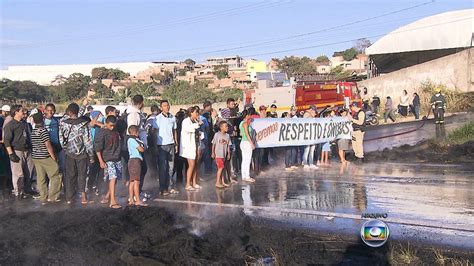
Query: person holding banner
{"type": "Point", "coordinates": [308, 155]}
{"type": "Point", "coordinates": [246, 144]}
{"type": "Point", "coordinates": [290, 151]}
{"type": "Point", "coordinates": [358, 125]}
{"type": "Point", "coordinates": [343, 144]}
{"type": "Point", "coordinates": [259, 153]}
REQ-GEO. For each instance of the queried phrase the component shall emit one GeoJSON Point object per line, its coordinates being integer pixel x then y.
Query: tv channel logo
{"type": "Point", "coordinates": [374, 233]}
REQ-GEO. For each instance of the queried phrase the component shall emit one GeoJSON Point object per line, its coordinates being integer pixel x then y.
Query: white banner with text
{"type": "Point", "coordinates": [280, 132]}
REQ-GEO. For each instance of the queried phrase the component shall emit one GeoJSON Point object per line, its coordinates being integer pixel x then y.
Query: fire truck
{"type": "Point", "coordinates": [302, 94]}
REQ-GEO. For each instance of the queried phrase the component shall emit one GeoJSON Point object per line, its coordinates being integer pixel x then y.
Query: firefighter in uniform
{"type": "Point", "coordinates": [438, 104]}
{"type": "Point", "coordinates": [358, 125]}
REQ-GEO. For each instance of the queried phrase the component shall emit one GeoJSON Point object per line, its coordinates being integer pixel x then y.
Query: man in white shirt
{"type": "Point", "coordinates": [136, 117]}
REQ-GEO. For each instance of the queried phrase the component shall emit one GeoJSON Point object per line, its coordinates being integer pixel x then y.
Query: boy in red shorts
{"type": "Point", "coordinates": [221, 152]}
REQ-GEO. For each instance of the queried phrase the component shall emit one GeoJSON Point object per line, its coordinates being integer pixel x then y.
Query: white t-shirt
{"type": "Point", "coordinates": [404, 100]}
{"type": "Point", "coordinates": [136, 118]}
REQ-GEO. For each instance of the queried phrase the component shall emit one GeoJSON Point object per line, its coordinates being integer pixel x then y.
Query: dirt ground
{"type": "Point", "coordinates": [426, 151]}
{"type": "Point", "coordinates": [96, 236]}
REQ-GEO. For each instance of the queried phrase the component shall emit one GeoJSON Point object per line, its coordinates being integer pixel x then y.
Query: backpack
{"type": "Point", "coordinates": [122, 128]}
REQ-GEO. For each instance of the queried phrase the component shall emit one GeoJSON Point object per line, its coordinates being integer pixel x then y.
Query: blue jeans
{"type": "Point", "coordinates": [290, 156]}
{"type": "Point", "coordinates": [416, 111]}
{"type": "Point", "coordinates": [165, 165]}
{"type": "Point", "coordinates": [308, 155]}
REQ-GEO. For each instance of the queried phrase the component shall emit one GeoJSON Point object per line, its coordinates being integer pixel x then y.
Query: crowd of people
{"type": "Point", "coordinates": [86, 152]}
{"type": "Point", "coordinates": [404, 107]}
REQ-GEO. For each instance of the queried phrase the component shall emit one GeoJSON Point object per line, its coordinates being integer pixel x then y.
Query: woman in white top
{"type": "Point", "coordinates": [404, 103]}
{"type": "Point", "coordinates": [188, 145]}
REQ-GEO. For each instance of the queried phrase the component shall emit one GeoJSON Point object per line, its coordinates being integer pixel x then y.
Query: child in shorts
{"type": "Point", "coordinates": [135, 150]}
{"type": "Point", "coordinates": [221, 152]}
{"type": "Point", "coordinates": [108, 146]}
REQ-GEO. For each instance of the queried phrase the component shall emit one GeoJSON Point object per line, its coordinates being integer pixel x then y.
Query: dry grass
{"type": "Point", "coordinates": [404, 255]}
{"type": "Point", "coordinates": [441, 259]}
{"type": "Point", "coordinates": [456, 101]}
{"type": "Point", "coordinates": [407, 255]}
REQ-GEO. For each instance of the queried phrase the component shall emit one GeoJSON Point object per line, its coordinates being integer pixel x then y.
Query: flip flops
{"type": "Point", "coordinates": [115, 206]}
{"type": "Point", "coordinates": [87, 202]}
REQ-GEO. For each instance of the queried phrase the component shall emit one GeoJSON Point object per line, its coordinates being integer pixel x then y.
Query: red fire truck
{"type": "Point", "coordinates": [302, 94]}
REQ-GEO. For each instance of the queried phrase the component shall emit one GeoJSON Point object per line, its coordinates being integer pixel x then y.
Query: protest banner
{"type": "Point", "coordinates": [280, 132]}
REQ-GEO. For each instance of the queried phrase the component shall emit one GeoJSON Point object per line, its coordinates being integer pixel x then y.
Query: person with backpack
{"type": "Point", "coordinates": [76, 140]}
{"type": "Point", "coordinates": [151, 153]}
{"type": "Point", "coordinates": [207, 113]}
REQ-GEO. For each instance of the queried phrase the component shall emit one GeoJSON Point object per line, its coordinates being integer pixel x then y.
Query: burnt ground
{"type": "Point", "coordinates": [101, 236]}
{"type": "Point", "coordinates": [426, 151]}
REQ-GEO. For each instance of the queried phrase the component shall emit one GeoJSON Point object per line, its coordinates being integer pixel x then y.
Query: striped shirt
{"type": "Point", "coordinates": [38, 141]}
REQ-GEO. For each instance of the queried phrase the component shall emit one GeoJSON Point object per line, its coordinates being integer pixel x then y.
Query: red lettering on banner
{"type": "Point", "coordinates": [267, 131]}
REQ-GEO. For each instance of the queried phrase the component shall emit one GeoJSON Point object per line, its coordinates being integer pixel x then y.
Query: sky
{"type": "Point", "coordinates": [39, 32]}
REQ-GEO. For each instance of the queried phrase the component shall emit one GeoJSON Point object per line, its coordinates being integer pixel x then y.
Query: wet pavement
{"type": "Point", "coordinates": [394, 135]}
{"type": "Point", "coordinates": [427, 203]}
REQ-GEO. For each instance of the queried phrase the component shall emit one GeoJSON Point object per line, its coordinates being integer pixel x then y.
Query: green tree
{"type": "Point", "coordinates": [221, 71]}
{"type": "Point", "coordinates": [145, 89]}
{"type": "Point", "coordinates": [59, 79]}
{"type": "Point", "coordinates": [182, 72]}
{"type": "Point", "coordinates": [190, 63]}
{"type": "Point", "coordinates": [75, 87]}
{"type": "Point", "coordinates": [181, 92]}
{"type": "Point", "coordinates": [164, 78]}
{"type": "Point", "coordinates": [7, 91]}
{"type": "Point", "coordinates": [229, 92]}
{"type": "Point", "coordinates": [349, 54]}
{"type": "Point", "coordinates": [25, 90]}
{"type": "Point", "coordinates": [293, 64]}
{"type": "Point", "coordinates": [100, 73]}
{"type": "Point", "coordinates": [57, 94]}
{"type": "Point", "coordinates": [339, 72]}
{"type": "Point", "coordinates": [322, 59]}
{"type": "Point", "coordinates": [121, 96]}
{"type": "Point", "coordinates": [102, 91]}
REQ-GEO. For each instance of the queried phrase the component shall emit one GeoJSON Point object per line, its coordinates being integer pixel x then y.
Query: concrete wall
{"type": "Point", "coordinates": [455, 71]}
